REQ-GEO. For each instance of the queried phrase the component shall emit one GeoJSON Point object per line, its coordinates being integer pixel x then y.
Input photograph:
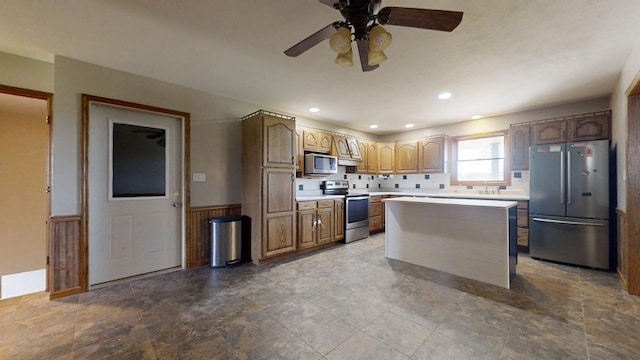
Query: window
{"type": "Point", "coordinates": [481, 159]}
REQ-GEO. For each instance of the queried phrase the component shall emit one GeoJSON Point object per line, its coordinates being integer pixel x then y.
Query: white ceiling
{"type": "Point", "coordinates": [506, 55]}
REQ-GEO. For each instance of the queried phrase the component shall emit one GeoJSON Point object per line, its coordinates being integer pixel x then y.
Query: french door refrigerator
{"type": "Point", "coordinates": [569, 203]}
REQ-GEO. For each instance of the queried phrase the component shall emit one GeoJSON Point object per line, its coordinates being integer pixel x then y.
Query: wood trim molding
{"type": "Point", "coordinates": [84, 153]}
{"type": "Point", "coordinates": [622, 246]}
{"type": "Point", "coordinates": [66, 259]}
{"type": "Point", "coordinates": [198, 243]}
{"type": "Point", "coordinates": [454, 158]}
{"type": "Point", "coordinates": [633, 193]}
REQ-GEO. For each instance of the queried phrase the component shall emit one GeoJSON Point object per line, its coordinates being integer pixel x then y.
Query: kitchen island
{"type": "Point", "coordinates": [475, 239]}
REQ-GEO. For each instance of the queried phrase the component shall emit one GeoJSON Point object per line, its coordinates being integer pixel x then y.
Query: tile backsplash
{"type": "Point", "coordinates": [423, 182]}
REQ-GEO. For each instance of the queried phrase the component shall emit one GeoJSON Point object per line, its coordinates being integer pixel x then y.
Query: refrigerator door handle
{"type": "Point", "coordinates": [562, 177]}
{"type": "Point", "coordinates": [568, 177]}
{"type": "Point", "coordinates": [566, 222]}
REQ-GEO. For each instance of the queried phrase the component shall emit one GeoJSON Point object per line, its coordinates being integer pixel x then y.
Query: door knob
{"type": "Point", "coordinates": [177, 204]}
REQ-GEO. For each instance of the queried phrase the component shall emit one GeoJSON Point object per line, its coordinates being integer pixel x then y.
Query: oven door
{"type": "Point", "coordinates": [357, 211]}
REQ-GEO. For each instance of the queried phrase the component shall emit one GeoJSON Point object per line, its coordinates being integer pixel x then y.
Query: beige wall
{"type": "Point", "coordinates": [215, 145]}
{"type": "Point", "coordinates": [630, 72]}
{"type": "Point", "coordinates": [26, 73]}
{"type": "Point", "coordinates": [23, 155]}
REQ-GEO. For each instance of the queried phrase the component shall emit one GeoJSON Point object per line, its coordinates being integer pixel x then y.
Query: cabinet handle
{"type": "Point", "coordinates": [293, 160]}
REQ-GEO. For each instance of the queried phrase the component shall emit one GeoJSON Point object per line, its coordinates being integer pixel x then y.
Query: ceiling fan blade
{"type": "Point", "coordinates": [336, 4]}
{"type": "Point", "coordinates": [311, 41]}
{"type": "Point", "coordinates": [363, 50]}
{"type": "Point", "coordinates": [441, 20]}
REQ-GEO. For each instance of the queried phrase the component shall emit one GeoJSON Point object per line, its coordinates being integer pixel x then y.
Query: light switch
{"type": "Point", "coordinates": [199, 177]}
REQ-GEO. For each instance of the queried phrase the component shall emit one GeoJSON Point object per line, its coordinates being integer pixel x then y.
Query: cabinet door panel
{"type": "Point", "coordinates": [339, 220]}
{"type": "Point", "coordinates": [278, 190]}
{"type": "Point", "coordinates": [589, 128]}
{"type": "Point", "coordinates": [406, 156]}
{"type": "Point", "coordinates": [324, 142]}
{"type": "Point", "coordinates": [550, 132]}
{"type": "Point", "coordinates": [325, 225]}
{"type": "Point", "coordinates": [386, 158]}
{"type": "Point", "coordinates": [372, 158]}
{"type": "Point", "coordinates": [520, 139]}
{"type": "Point", "coordinates": [279, 235]}
{"type": "Point", "coordinates": [354, 150]}
{"type": "Point", "coordinates": [279, 144]}
{"type": "Point", "coordinates": [362, 166]}
{"type": "Point", "coordinates": [306, 231]}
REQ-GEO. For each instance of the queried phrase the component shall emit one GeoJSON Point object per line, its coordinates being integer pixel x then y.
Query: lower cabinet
{"type": "Point", "coordinates": [523, 226]}
{"type": "Point", "coordinates": [339, 228]}
{"type": "Point", "coordinates": [317, 223]}
{"type": "Point", "coordinates": [376, 214]}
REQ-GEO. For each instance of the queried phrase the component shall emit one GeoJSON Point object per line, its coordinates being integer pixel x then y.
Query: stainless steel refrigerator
{"type": "Point", "coordinates": [569, 203]}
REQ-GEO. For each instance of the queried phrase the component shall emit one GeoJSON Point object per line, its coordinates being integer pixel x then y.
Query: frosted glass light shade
{"type": "Point", "coordinates": [379, 38]}
{"type": "Point", "coordinates": [345, 59]}
{"type": "Point", "coordinates": [376, 57]}
{"type": "Point", "coordinates": [340, 42]}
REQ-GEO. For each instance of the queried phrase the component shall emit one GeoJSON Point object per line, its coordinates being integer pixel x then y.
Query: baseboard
{"type": "Point", "coordinates": [23, 283]}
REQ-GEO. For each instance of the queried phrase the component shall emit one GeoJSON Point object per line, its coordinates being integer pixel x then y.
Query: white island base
{"type": "Point", "coordinates": [475, 239]}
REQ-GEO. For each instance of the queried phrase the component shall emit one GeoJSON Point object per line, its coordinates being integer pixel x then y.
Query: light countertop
{"type": "Point", "coordinates": [420, 194]}
{"type": "Point", "coordinates": [458, 202]}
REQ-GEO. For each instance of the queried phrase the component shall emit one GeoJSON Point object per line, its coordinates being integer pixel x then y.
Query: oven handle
{"type": "Point", "coordinates": [357, 198]}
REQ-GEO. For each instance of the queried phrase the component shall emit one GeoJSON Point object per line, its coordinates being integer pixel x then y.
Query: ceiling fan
{"type": "Point", "coordinates": [363, 20]}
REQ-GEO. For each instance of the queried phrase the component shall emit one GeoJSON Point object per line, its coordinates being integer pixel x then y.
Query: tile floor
{"type": "Point", "coordinates": [348, 302]}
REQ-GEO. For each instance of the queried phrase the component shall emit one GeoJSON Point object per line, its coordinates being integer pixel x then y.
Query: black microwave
{"type": "Point", "coordinates": [320, 164]}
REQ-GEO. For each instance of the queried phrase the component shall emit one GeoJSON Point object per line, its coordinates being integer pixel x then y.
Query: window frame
{"type": "Point", "coordinates": [507, 159]}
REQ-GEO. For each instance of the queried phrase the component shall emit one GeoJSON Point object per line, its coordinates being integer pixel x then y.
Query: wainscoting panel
{"type": "Point", "coordinates": [67, 257]}
{"type": "Point", "coordinates": [199, 243]}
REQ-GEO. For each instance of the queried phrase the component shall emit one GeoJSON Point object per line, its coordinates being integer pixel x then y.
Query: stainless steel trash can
{"type": "Point", "coordinates": [226, 240]}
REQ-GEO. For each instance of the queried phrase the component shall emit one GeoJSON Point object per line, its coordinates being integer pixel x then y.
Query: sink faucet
{"type": "Point", "coordinates": [485, 191]}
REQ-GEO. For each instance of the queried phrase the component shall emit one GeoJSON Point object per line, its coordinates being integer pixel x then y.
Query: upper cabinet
{"type": "Point", "coordinates": [362, 148]}
{"type": "Point", "coordinates": [520, 139]}
{"type": "Point", "coordinates": [341, 147]}
{"type": "Point", "coordinates": [373, 165]}
{"type": "Point", "coordinates": [386, 157]}
{"type": "Point", "coordinates": [316, 141]}
{"type": "Point", "coordinates": [279, 145]}
{"type": "Point", "coordinates": [433, 155]}
{"type": "Point", "coordinates": [347, 151]}
{"type": "Point", "coordinates": [550, 132]}
{"type": "Point", "coordinates": [406, 157]}
{"type": "Point", "coordinates": [300, 150]}
{"type": "Point", "coordinates": [354, 149]}
{"type": "Point", "coordinates": [592, 126]}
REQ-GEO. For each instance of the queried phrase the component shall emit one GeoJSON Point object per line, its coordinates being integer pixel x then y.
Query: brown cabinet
{"type": "Point", "coordinates": [549, 132]}
{"type": "Point", "coordinates": [341, 148]}
{"type": "Point", "coordinates": [386, 157]}
{"type": "Point", "coordinates": [592, 127]}
{"type": "Point", "coordinates": [316, 223]}
{"type": "Point", "coordinates": [373, 166]}
{"type": "Point", "coordinates": [433, 155]}
{"type": "Point", "coordinates": [339, 226]}
{"type": "Point", "coordinates": [406, 157]}
{"type": "Point", "coordinates": [523, 225]}
{"type": "Point", "coordinates": [316, 141]}
{"type": "Point", "coordinates": [362, 148]}
{"type": "Point", "coordinates": [354, 149]}
{"type": "Point", "coordinates": [269, 151]}
{"type": "Point", "coordinates": [376, 209]}
{"type": "Point", "coordinates": [520, 139]}
{"type": "Point", "coordinates": [300, 150]}
{"type": "Point", "coordinates": [347, 151]}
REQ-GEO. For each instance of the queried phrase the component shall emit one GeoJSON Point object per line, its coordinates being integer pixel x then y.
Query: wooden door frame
{"type": "Point", "coordinates": [84, 199]}
{"type": "Point", "coordinates": [48, 97]}
{"type": "Point", "coordinates": [632, 185]}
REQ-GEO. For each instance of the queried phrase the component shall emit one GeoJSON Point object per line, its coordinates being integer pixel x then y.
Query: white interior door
{"type": "Point", "coordinates": [135, 192]}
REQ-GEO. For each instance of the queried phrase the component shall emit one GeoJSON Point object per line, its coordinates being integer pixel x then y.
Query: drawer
{"type": "Point", "coordinates": [523, 218]}
{"type": "Point", "coordinates": [306, 205]}
{"type": "Point", "coordinates": [375, 223]}
{"type": "Point", "coordinates": [375, 209]}
{"type": "Point", "coordinates": [375, 199]}
{"type": "Point", "coordinates": [523, 205]}
{"type": "Point", "coordinates": [523, 237]}
{"type": "Point", "coordinates": [325, 203]}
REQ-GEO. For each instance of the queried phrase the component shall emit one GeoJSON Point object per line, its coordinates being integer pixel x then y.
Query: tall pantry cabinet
{"type": "Point", "coordinates": [268, 182]}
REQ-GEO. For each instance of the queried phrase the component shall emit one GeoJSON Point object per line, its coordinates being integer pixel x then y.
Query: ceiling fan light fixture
{"type": "Point", "coordinates": [345, 59]}
{"type": "Point", "coordinates": [376, 57]}
{"type": "Point", "coordinates": [379, 38]}
{"type": "Point", "coordinates": [340, 42]}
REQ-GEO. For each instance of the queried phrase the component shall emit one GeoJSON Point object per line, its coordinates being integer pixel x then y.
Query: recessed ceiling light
{"type": "Point", "coordinates": [314, 109]}
{"type": "Point", "coordinates": [373, 126]}
{"type": "Point", "coordinates": [476, 117]}
{"type": "Point", "coordinates": [409, 126]}
{"type": "Point", "coordinates": [444, 95]}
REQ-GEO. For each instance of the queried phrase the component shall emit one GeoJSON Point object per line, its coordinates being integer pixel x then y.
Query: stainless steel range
{"type": "Point", "coordinates": [356, 209]}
